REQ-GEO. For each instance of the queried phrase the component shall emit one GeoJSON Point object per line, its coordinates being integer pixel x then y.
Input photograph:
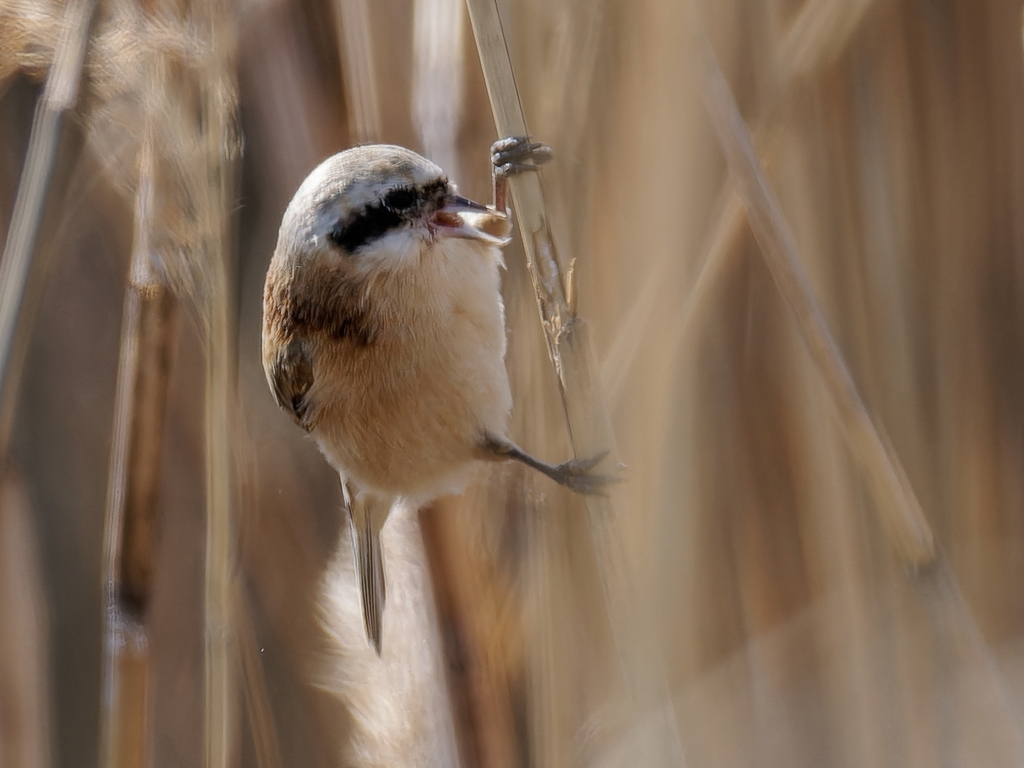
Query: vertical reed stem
{"type": "Point", "coordinates": [901, 514]}
{"type": "Point", "coordinates": [133, 489]}
{"type": "Point", "coordinates": [215, 194]}
{"type": "Point", "coordinates": [587, 417]}
{"type": "Point", "coordinates": [60, 95]}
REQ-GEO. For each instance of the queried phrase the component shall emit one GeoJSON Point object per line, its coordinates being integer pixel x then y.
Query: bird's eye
{"type": "Point", "coordinates": [401, 199]}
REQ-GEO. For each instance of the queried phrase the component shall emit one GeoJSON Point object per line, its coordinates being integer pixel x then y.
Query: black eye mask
{"type": "Point", "coordinates": [395, 209]}
{"type": "Point", "coordinates": [401, 199]}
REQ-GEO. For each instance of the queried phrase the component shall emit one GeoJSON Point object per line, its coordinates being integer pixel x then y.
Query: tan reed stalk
{"type": "Point", "coordinates": [902, 517]}
{"type": "Point", "coordinates": [59, 95]}
{"type": "Point", "coordinates": [257, 697]}
{"type": "Point", "coordinates": [215, 192]}
{"type": "Point", "coordinates": [473, 623]}
{"type": "Point", "coordinates": [439, 73]}
{"type": "Point", "coordinates": [956, 634]}
{"type": "Point", "coordinates": [133, 489]}
{"type": "Point", "coordinates": [719, 258]}
{"type": "Point", "coordinates": [25, 704]}
{"type": "Point", "coordinates": [566, 334]}
{"type": "Point", "coordinates": [564, 103]}
{"type": "Point", "coordinates": [220, 530]}
{"type": "Point", "coordinates": [355, 42]}
{"type": "Point", "coordinates": [220, 525]}
{"type": "Point", "coordinates": [587, 417]}
{"type": "Point", "coordinates": [819, 33]}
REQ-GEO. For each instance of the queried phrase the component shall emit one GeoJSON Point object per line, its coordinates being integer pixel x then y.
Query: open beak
{"type": "Point", "coordinates": [457, 217]}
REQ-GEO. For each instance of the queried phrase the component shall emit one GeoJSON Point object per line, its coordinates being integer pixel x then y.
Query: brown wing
{"type": "Point", "coordinates": [290, 373]}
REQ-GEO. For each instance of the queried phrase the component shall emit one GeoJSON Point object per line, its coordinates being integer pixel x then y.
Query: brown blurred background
{"type": "Point", "coordinates": [771, 622]}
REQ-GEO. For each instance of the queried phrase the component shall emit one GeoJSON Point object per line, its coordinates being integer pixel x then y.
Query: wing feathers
{"type": "Point", "coordinates": [290, 373]}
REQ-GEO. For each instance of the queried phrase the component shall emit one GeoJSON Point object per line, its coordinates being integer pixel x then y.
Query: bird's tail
{"type": "Point", "coordinates": [369, 560]}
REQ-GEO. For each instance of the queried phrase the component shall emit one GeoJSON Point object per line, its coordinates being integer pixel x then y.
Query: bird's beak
{"type": "Point", "coordinates": [463, 218]}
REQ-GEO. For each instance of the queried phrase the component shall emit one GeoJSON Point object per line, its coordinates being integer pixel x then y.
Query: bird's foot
{"type": "Point", "coordinates": [576, 475]}
{"type": "Point", "coordinates": [513, 155]}
{"type": "Point", "coordinates": [516, 154]}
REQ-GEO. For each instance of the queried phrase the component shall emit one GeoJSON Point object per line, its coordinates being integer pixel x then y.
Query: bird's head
{"type": "Point", "coordinates": [380, 207]}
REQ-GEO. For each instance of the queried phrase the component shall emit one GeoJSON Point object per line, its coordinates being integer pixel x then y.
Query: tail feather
{"type": "Point", "coordinates": [370, 566]}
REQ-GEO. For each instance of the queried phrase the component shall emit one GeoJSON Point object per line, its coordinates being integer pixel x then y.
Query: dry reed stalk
{"type": "Point", "coordinates": [820, 32]}
{"type": "Point", "coordinates": [483, 641]}
{"type": "Point", "coordinates": [24, 641]}
{"type": "Point", "coordinates": [718, 260]}
{"type": "Point", "coordinates": [902, 517]}
{"type": "Point", "coordinates": [818, 35]}
{"type": "Point", "coordinates": [220, 529]}
{"type": "Point", "coordinates": [567, 106]}
{"type": "Point", "coordinates": [189, 148]}
{"type": "Point", "coordinates": [961, 654]}
{"type": "Point", "coordinates": [587, 418]}
{"type": "Point", "coordinates": [352, 19]}
{"type": "Point", "coordinates": [959, 643]}
{"type": "Point", "coordinates": [220, 532]}
{"type": "Point", "coordinates": [59, 95]}
{"type": "Point", "coordinates": [438, 79]}
{"type": "Point", "coordinates": [257, 697]}
{"type": "Point", "coordinates": [979, 696]}
{"type": "Point", "coordinates": [215, 193]}
{"type": "Point", "coordinates": [133, 488]}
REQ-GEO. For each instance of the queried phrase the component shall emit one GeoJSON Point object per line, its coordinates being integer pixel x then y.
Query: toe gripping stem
{"type": "Point", "coordinates": [510, 156]}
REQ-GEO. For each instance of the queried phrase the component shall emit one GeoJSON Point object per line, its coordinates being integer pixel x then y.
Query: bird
{"type": "Point", "coordinates": [384, 335]}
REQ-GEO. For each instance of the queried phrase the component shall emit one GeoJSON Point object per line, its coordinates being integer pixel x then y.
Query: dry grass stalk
{"type": "Point", "coordinates": [719, 258]}
{"type": "Point", "coordinates": [569, 347]}
{"type": "Point", "coordinates": [817, 36]}
{"type": "Point", "coordinates": [438, 79]}
{"type": "Point", "coordinates": [901, 512]}
{"type": "Point", "coordinates": [481, 635]}
{"type": "Point", "coordinates": [819, 33]}
{"type": "Point", "coordinates": [466, 588]}
{"type": "Point", "coordinates": [220, 536]}
{"type": "Point", "coordinates": [214, 190]}
{"type": "Point", "coordinates": [220, 531]}
{"type": "Point", "coordinates": [24, 642]}
{"type": "Point", "coordinates": [358, 70]}
{"type": "Point", "coordinates": [60, 95]}
{"type": "Point", "coordinates": [565, 101]}
{"type": "Point", "coordinates": [133, 489]}
{"type": "Point", "coordinates": [125, 722]}
{"type": "Point", "coordinates": [955, 629]}
{"type": "Point", "coordinates": [257, 697]}
{"type": "Point", "coordinates": [184, 79]}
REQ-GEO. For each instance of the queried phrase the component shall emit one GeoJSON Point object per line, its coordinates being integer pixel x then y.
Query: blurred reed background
{"type": "Point", "coordinates": [175, 577]}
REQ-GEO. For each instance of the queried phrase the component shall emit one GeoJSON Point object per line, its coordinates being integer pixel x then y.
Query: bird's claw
{"type": "Point", "coordinates": [513, 155]}
{"type": "Point", "coordinates": [516, 154]}
{"type": "Point", "coordinates": [575, 475]}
